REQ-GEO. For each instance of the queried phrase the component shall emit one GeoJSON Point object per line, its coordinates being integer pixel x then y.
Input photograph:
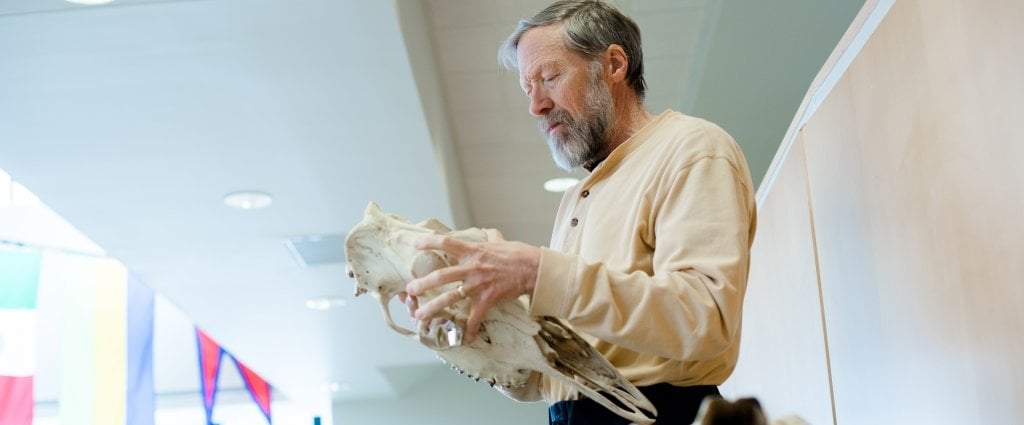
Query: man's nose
{"type": "Point", "coordinates": [540, 103]}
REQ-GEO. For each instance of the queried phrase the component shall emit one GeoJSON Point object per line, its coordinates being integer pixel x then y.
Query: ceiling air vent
{"type": "Point", "coordinates": [314, 250]}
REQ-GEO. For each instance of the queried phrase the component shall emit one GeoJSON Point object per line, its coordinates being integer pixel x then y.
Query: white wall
{"type": "Point", "coordinates": [888, 259]}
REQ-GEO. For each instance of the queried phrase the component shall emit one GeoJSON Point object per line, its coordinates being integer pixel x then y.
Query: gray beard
{"type": "Point", "coordinates": [581, 141]}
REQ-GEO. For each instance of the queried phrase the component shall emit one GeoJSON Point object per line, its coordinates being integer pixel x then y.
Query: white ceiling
{"type": "Point", "coordinates": [132, 120]}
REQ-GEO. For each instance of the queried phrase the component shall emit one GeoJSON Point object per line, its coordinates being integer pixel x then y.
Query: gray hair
{"type": "Point", "coordinates": [589, 27]}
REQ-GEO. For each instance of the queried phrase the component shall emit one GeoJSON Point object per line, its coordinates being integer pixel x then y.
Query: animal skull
{"type": "Point", "coordinates": [512, 347]}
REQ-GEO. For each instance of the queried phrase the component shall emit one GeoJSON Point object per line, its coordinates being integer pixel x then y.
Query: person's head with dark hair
{"type": "Point", "coordinates": [719, 411]}
{"type": "Point", "coordinates": [588, 27]}
{"type": "Point", "coordinates": [581, 64]}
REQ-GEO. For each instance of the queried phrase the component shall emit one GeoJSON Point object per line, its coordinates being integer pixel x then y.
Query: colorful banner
{"type": "Point", "coordinates": [141, 394]}
{"type": "Point", "coordinates": [19, 284]}
{"type": "Point", "coordinates": [106, 342]}
{"type": "Point", "coordinates": [210, 356]}
{"type": "Point", "coordinates": [258, 388]}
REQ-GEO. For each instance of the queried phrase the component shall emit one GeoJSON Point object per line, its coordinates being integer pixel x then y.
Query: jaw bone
{"type": "Point", "coordinates": [512, 347]}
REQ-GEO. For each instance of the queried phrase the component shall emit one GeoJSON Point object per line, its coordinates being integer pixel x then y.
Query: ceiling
{"type": "Point", "coordinates": [132, 120]}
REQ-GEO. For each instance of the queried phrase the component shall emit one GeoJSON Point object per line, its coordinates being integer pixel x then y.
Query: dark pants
{"type": "Point", "coordinates": [676, 406]}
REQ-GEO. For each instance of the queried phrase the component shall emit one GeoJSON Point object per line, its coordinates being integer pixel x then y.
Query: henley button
{"type": "Point", "coordinates": [574, 222]}
{"type": "Point", "coordinates": [585, 193]}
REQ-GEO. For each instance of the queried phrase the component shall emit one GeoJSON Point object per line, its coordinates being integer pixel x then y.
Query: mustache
{"type": "Point", "coordinates": [554, 117]}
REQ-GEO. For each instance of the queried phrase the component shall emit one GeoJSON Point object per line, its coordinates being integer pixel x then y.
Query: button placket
{"type": "Point", "coordinates": [576, 221]}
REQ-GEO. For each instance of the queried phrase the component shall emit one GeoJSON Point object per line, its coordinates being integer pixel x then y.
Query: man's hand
{"type": "Point", "coordinates": [491, 272]}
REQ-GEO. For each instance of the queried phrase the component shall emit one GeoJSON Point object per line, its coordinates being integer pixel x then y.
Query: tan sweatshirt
{"type": "Point", "coordinates": [650, 253]}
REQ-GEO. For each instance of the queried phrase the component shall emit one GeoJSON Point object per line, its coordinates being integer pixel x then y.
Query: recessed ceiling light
{"type": "Point", "coordinates": [89, 2]}
{"type": "Point", "coordinates": [325, 303]}
{"type": "Point", "coordinates": [560, 184]}
{"type": "Point", "coordinates": [248, 200]}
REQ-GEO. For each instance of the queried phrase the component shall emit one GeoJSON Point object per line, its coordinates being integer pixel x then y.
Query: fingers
{"type": "Point", "coordinates": [437, 305]}
{"type": "Point", "coordinates": [444, 275]}
{"type": "Point", "coordinates": [476, 317]}
{"type": "Point", "coordinates": [418, 286]}
{"type": "Point", "coordinates": [460, 272]}
{"type": "Point", "coordinates": [445, 243]}
{"type": "Point", "coordinates": [411, 302]}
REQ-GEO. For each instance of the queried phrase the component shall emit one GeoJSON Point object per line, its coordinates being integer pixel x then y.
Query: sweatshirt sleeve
{"type": "Point", "coordinates": [701, 226]}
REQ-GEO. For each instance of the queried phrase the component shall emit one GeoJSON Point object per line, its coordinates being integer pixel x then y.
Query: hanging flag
{"type": "Point", "coordinates": [141, 394]}
{"type": "Point", "coordinates": [210, 354]}
{"type": "Point", "coordinates": [19, 283]}
{"type": "Point", "coordinates": [258, 388]}
{"type": "Point", "coordinates": [106, 342]}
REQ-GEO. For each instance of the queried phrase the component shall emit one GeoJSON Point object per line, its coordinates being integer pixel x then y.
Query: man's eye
{"type": "Point", "coordinates": [549, 79]}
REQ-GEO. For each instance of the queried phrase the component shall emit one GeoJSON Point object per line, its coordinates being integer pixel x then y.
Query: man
{"type": "Point", "coordinates": [650, 252]}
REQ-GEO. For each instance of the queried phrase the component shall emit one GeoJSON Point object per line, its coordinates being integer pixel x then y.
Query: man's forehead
{"type": "Point", "coordinates": [540, 45]}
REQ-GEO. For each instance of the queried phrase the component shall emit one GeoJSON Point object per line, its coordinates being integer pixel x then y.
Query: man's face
{"type": "Point", "coordinates": [573, 105]}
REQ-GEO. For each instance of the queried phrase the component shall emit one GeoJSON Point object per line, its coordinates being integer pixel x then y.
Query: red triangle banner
{"type": "Point", "coordinates": [258, 388]}
{"type": "Point", "coordinates": [210, 354]}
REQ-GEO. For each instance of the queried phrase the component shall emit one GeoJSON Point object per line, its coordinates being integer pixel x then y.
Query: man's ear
{"type": "Point", "coordinates": [616, 63]}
